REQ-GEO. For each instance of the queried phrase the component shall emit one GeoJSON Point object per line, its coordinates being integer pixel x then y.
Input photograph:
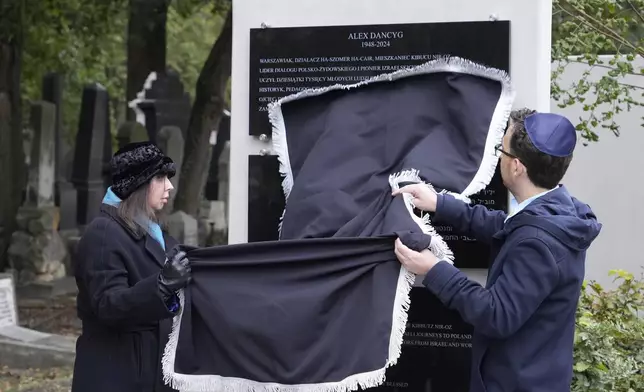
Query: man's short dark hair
{"type": "Point", "coordinates": [545, 171]}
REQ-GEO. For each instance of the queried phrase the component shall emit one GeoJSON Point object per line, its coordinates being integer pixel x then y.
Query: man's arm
{"type": "Point", "coordinates": [112, 298]}
{"type": "Point", "coordinates": [529, 275]}
{"type": "Point", "coordinates": [473, 221]}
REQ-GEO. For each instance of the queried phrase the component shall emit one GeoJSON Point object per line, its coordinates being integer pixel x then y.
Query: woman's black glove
{"type": "Point", "coordinates": [175, 273]}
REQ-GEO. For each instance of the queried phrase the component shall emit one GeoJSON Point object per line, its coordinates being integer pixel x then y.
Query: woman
{"type": "Point", "coordinates": [126, 283]}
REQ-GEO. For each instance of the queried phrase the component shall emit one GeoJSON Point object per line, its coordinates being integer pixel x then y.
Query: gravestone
{"type": "Point", "coordinates": [170, 141]}
{"type": "Point", "coordinates": [184, 228]}
{"type": "Point", "coordinates": [212, 225]}
{"type": "Point", "coordinates": [27, 141]}
{"type": "Point", "coordinates": [68, 227]}
{"type": "Point", "coordinates": [163, 101]}
{"type": "Point", "coordinates": [37, 252]}
{"type": "Point", "coordinates": [52, 91]}
{"type": "Point", "coordinates": [8, 302]}
{"type": "Point", "coordinates": [68, 195]}
{"type": "Point", "coordinates": [131, 132]}
{"type": "Point", "coordinates": [92, 153]}
{"type": "Point", "coordinates": [42, 168]}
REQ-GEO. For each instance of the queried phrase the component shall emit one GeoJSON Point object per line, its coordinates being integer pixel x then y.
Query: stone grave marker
{"type": "Point", "coordinates": [40, 186]}
{"type": "Point", "coordinates": [64, 192]}
{"type": "Point", "coordinates": [68, 196]}
{"type": "Point", "coordinates": [93, 153]}
{"type": "Point", "coordinates": [213, 228]}
{"type": "Point", "coordinates": [170, 141]}
{"type": "Point", "coordinates": [131, 132]}
{"type": "Point", "coordinates": [52, 91]}
{"type": "Point", "coordinates": [163, 101]}
{"type": "Point", "coordinates": [8, 302]}
{"type": "Point", "coordinates": [184, 228]}
{"type": "Point", "coordinates": [37, 252]}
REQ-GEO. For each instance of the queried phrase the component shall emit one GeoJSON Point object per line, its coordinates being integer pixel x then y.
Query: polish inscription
{"type": "Point", "coordinates": [285, 61]}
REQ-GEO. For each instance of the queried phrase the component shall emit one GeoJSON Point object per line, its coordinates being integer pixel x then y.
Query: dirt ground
{"type": "Point", "coordinates": [35, 380]}
{"type": "Point", "coordinates": [57, 315]}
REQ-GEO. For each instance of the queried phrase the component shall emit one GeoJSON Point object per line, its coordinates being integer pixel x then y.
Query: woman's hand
{"type": "Point", "coordinates": [176, 272]}
{"type": "Point", "coordinates": [423, 197]}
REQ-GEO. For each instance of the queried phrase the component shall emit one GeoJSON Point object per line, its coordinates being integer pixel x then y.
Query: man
{"type": "Point", "coordinates": [524, 318]}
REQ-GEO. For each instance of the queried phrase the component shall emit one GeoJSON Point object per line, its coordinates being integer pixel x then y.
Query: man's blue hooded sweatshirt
{"type": "Point", "coordinates": [524, 318]}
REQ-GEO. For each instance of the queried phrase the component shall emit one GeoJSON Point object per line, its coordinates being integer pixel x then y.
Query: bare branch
{"type": "Point", "coordinates": [598, 26]}
{"type": "Point", "coordinates": [632, 86]}
{"type": "Point", "coordinates": [602, 66]}
{"type": "Point", "coordinates": [635, 10]}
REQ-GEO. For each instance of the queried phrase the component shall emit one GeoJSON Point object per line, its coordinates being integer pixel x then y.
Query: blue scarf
{"type": "Point", "coordinates": [153, 228]}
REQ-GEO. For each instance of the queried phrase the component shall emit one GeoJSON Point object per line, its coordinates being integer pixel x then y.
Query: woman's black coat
{"type": "Point", "coordinates": [125, 320]}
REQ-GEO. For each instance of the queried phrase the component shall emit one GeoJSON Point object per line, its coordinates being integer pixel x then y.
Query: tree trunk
{"type": "Point", "coordinates": [207, 111]}
{"type": "Point", "coordinates": [146, 44]}
{"type": "Point", "coordinates": [12, 162]}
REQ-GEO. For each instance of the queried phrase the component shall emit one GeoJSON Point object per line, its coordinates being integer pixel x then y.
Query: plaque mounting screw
{"type": "Point", "coordinates": [263, 137]}
{"type": "Point", "coordinates": [494, 17]}
{"type": "Point", "coordinates": [264, 151]}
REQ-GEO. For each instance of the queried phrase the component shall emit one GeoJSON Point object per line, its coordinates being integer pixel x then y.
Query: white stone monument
{"type": "Point", "coordinates": [8, 303]}
{"type": "Point", "coordinates": [376, 34]}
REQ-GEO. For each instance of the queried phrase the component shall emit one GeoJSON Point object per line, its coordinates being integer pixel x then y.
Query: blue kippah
{"type": "Point", "coordinates": [551, 133]}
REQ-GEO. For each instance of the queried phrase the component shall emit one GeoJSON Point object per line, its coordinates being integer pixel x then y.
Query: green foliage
{"type": "Point", "coordinates": [86, 41]}
{"type": "Point", "coordinates": [584, 30]}
{"type": "Point", "coordinates": [192, 28]}
{"type": "Point", "coordinates": [186, 8]}
{"type": "Point", "coordinates": [609, 340]}
{"type": "Point", "coordinates": [82, 40]}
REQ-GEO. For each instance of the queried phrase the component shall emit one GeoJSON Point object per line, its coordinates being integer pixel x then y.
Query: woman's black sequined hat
{"type": "Point", "coordinates": [135, 164]}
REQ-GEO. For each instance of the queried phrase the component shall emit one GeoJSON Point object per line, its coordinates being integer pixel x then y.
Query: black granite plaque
{"type": "Point", "coordinates": [469, 253]}
{"type": "Point", "coordinates": [436, 349]}
{"type": "Point", "coordinates": [265, 198]}
{"type": "Point", "coordinates": [284, 61]}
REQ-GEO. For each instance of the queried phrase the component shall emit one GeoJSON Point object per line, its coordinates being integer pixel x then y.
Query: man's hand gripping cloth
{"type": "Point", "coordinates": [324, 309]}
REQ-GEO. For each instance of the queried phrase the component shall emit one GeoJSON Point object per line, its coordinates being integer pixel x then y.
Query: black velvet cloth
{"type": "Point", "coordinates": [325, 308]}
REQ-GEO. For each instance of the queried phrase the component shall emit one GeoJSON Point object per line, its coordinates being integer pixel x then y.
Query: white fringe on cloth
{"type": "Point", "coordinates": [212, 382]}
{"type": "Point", "coordinates": [438, 246]}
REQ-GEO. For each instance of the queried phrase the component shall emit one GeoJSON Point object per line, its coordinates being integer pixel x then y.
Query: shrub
{"type": "Point", "coordinates": [609, 338]}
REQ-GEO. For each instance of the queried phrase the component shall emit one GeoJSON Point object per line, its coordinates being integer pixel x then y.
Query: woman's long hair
{"type": "Point", "coordinates": [135, 211]}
